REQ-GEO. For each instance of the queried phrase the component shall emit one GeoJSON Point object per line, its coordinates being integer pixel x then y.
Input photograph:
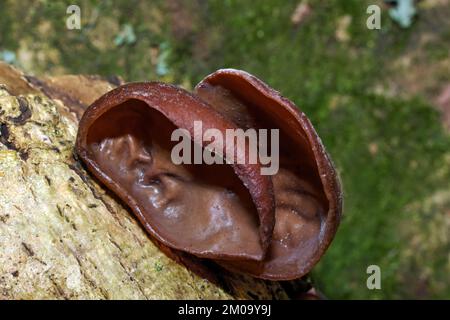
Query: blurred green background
{"type": "Point", "coordinates": [380, 100]}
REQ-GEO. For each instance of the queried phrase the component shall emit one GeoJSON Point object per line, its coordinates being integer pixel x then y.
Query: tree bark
{"type": "Point", "coordinates": [62, 236]}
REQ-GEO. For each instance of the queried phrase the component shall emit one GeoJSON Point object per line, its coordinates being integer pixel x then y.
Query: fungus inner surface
{"type": "Point", "coordinates": [301, 205]}
{"type": "Point", "coordinates": [199, 208]}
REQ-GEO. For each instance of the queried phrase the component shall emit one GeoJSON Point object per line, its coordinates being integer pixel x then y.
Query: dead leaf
{"type": "Point", "coordinates": [343, 23]}
{"type": "Point", "coordinates": [301, 12]}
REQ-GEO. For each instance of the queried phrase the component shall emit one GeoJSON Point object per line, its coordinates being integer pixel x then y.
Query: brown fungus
{"type": "Point", "coordinates": [273, 227]}
{"type": "Point", "coordinates": [307, 192]}
{"type": "Point", "coordinates": [212, 211]}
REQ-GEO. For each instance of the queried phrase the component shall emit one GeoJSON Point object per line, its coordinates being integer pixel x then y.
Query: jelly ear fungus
{"type": "Point", "coordinates": [307, 191]}
{"type": "Point", "coordinates": [211, 211]}
{"type": "Point", "coordinates": [272, 227]}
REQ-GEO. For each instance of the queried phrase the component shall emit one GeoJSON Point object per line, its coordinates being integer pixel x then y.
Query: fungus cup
{"type": "Point", "coordinates": [272, 227]}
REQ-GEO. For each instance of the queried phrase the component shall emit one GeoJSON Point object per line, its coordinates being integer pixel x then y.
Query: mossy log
{"type": "Point", "coordinates": [62, 235]}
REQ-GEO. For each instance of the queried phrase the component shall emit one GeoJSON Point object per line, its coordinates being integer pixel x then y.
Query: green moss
{"type": "Point", "coordinates": [158, 266]}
